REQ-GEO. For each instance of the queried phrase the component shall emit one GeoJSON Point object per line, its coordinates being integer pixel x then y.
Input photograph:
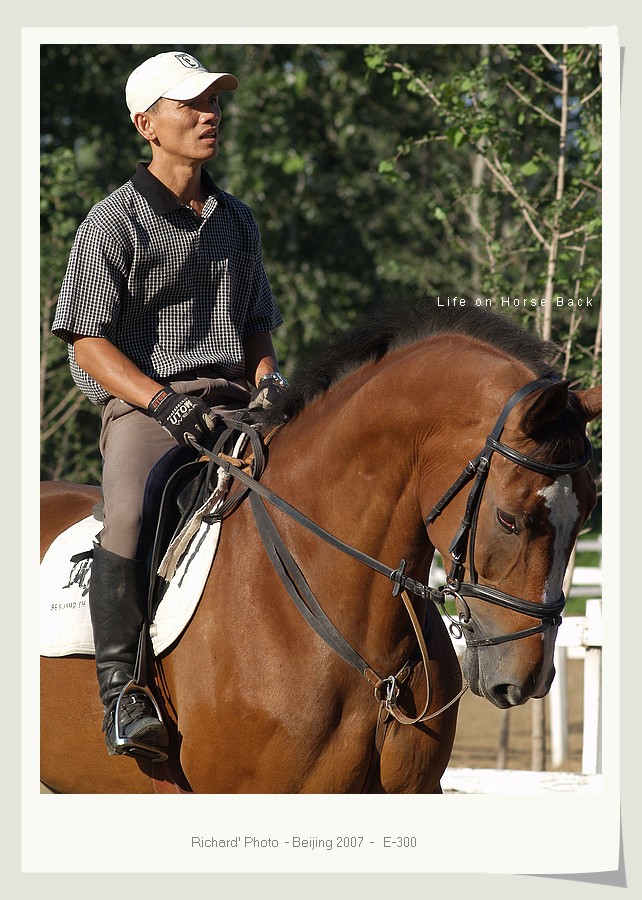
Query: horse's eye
{"type": "Point", "coordinates": [507, 521]}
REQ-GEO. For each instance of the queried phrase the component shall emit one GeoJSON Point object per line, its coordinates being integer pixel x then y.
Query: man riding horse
{"type": "Point", "coordinates": [163, 330]}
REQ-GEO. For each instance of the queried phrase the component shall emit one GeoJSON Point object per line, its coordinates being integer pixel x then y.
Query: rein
{"type": "Point", "coordinates": [387, 689]}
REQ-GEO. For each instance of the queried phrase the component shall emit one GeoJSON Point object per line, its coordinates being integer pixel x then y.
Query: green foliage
{"type": "Point", "coordinates": [373, 172]}
{"type": "Point", "coordinates": [522, 216]}
{"type": "Point", "coordinates": [69, 423]}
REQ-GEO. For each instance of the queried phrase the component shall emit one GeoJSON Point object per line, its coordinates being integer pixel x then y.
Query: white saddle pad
{"type": "Point", "coordinates": [65, 572]}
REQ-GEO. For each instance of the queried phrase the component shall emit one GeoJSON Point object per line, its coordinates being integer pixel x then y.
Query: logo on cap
{"type": "Point", "coordinates": [188, 61]}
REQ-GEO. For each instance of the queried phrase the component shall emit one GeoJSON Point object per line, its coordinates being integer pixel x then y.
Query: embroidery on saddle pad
{"type": "Point", "coordinates": [65, 573]}
{"type": "Point", "coordinates": [65, 626]}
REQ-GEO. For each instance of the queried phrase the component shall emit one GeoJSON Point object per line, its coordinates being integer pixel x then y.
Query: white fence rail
{"type": "Point", "coordinates": [579, 637]}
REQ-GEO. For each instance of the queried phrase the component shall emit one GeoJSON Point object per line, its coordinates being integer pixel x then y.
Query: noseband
{"type": "Point", "coordinates": [464, 539]}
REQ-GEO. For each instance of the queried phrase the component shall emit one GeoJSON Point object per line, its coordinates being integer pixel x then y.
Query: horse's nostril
{"type": "Point", "coordinates": [505, 695]}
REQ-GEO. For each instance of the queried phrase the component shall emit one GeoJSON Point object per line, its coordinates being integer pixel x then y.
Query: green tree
{"type": "Point", "coordinates": [69, 422]}
{"type": "Point", "coordinates": [373, 173]}
{"type": "Point", "coordinates": [517, 188]}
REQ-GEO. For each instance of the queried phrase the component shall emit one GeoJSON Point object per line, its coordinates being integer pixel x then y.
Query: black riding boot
{"type": "Point", "coordinates": [116, 604]}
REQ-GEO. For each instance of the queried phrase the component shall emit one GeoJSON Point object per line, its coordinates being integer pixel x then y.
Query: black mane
{"type": "Point", "coordinates": [398, 325]}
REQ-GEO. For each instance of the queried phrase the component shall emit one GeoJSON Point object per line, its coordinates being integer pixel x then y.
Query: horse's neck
{"type": "Point", "coordinates": [348, 458]}
{"type": "Point", "coordinates": [350, 464]}
{"type": "Point", "coordinates": [363, 459]}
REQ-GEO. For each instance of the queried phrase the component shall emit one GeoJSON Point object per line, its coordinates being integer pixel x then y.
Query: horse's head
{"type": "Point", "coordinates": [530, 493]}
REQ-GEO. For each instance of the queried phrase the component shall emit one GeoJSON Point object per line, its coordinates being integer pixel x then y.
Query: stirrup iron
{"type": "Point", "coordinates": [124, 745]}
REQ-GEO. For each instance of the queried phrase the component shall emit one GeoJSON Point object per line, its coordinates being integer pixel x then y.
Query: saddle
{"type": "Point", "coordinates": [178, 487]}
{"type": "Point", "coordinates": [171, 491]}
{"type": "Point", "coordinates": [181, 487]}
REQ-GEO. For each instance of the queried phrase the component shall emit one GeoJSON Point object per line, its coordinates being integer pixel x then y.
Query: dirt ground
{"type": "Point", "coordinates": [479, 727]}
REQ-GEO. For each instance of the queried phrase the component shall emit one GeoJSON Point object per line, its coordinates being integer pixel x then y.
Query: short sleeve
{"type": "Point", "coordinates": [93, 286]}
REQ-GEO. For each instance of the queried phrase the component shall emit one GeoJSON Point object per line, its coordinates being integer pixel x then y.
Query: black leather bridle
{"type": "Point", "coordinates": [549, 614]}
{"type": "Point", "coordinates": [464, 540]}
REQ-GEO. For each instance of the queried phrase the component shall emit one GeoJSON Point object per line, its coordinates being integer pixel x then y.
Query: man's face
{"type": "Point", "coordinates": [187, 129]}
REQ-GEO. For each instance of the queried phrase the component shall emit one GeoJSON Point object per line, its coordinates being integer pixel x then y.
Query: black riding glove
{"type": "Point", "coordinates": [270, 387]}
{"type": "Point", "coordinates": [182, 416]}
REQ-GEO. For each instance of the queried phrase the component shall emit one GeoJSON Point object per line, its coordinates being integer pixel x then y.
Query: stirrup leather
{"type": "Point", "coordinates": [125, 745]}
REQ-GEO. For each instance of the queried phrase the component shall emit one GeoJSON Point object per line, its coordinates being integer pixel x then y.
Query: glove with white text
{"type": "Point", "coordinates": [184, 417]}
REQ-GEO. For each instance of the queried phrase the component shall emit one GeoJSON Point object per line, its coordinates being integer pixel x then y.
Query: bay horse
{"type": "Point", "coordinates": [423, 428]}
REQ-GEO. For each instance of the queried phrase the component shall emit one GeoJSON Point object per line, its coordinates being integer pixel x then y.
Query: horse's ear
{"type": "Point", "coordinates": [544, 406]}
{"type": "Point", "coordinates": [589, 402]}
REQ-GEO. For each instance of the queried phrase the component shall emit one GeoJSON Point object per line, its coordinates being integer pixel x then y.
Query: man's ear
{"type": "Point", "coordinates": [144, 126]}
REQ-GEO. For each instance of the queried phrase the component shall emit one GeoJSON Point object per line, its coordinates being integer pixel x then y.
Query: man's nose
{"type": "Point", "coordinates": [212, 109]}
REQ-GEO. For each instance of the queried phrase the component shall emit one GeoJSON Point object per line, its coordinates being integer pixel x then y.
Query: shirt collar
{"type": "Point", "coordinates": [161, 198]}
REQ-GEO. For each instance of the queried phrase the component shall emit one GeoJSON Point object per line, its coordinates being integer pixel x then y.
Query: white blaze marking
{"type": "Point", "coordinates": [564, 509]}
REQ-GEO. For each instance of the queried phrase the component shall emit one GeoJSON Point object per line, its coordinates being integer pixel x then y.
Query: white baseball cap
{"type": "Point", "coordinates": [175, 75]}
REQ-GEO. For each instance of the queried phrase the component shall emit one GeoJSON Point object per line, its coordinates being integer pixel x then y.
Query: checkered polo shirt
{"type": "Point", "coordinates": [174, 291]}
